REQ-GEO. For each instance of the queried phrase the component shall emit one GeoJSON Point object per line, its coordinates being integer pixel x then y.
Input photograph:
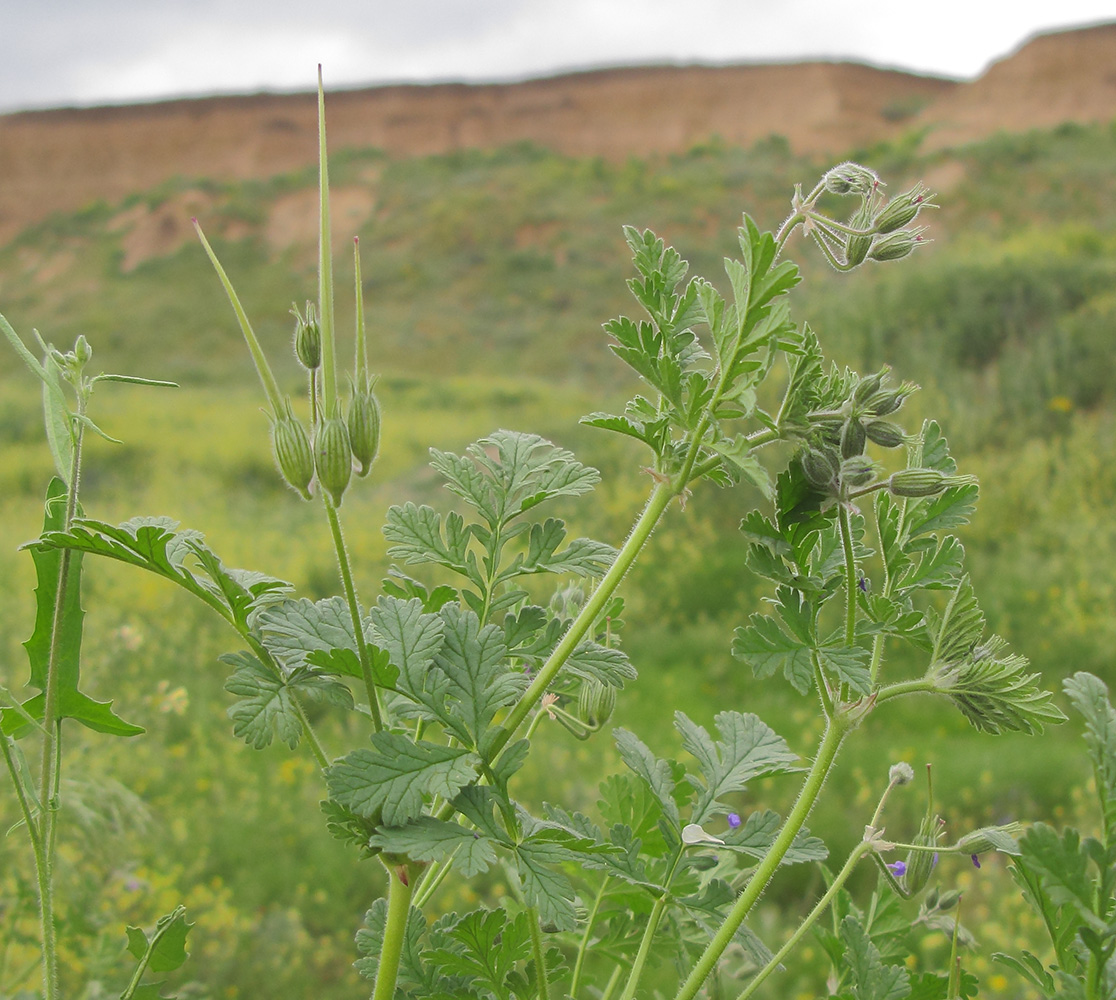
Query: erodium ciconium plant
{"type": "Point", "coordinates": [458, 673]}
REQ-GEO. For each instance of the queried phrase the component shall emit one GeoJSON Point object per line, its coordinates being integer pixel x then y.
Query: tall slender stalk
{"type": "Point", "coordinates": [354, 612]}
{"type": "Point", "coordinates": [52, 733]}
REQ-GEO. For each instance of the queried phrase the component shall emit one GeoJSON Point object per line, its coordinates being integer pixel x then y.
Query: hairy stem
{"type": "Point", "coordinates": [653, 921]}
{"type": "Point", "coordinates": [660, 498]}
{"type": "Point", "coordinates": [538, 950]}
{"type": "Point", "coordinates": [835, 731]}
{"type": "Point", "coordinates": [400, 887]}
{"type": "Point", "coordinates": [850, 575]}
{"type": "Point", "coordinates": [575, 981]}
{"type": "Point", "coordinates": [842, 876]}
{"type": "Point", "coordinates": [354, 612]}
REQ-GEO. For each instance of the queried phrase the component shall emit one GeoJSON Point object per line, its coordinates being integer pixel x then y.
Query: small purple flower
{"type": "Point", "coordinates": [975, 860]}
{"type": "Point", "coordinates": [734, 820]}
{"type": "Point", "coordinates": [898, 868]}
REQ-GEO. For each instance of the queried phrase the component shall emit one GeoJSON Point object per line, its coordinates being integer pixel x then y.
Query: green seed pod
{"type": "Point", "coordinates": [853, 438]}
{"type": "Point", "coordinates": [857, 471]}
{"type": "Point", "coordinates": [820, 466]}
{"type": "Point", "coordinates": [595, 702]}
{"type": "Point", "coordinates": [916, 483]}
{"type": "Point", "coordinates": [884, 433]}
{"type": "Point", "coordinates": [308, 338]}
{"type": "Point", "coordinates": [333, 457]}
{"type": "Point", "coordinates": [902, 209]}
{"type": "Point", "coordinates": [291, 445]}
{"type": "Point", "coordinates": [364, 428]}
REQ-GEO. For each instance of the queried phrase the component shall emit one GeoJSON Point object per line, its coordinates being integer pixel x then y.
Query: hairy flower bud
{"type": "Point", "coordinates": [902, 209]}
{"type": "Point", "coordinates": [888, 401]}
{"type": "Point", "coordinates": [333, 457]}
{"type": "Point", "coordinates": [857, 471]}
{"type": "Point", "coordinates": [82, 351]}
{"type": "Point", "coordinates": [868, 387]}
{"type": "Point", "coordinates": [857, 246]}
{"type": "Point", "coordinates": [853, 438]}
{"type": "Point", "coordinates": [308, 338]}
{"type": "Point", "coordinates": [292, 449]}
{"type": "Point", "coordinates": [820, 466]}
{"type": "Point", "coordinates": [851, 178]}
{"type": "Point", "coordinates": [364, 428]}
{"type": "Point", "coordinates": [884, 433]}
{"type": "Point", "coordinates": [916, 483]}
{"type": "Point", "coordinates": [595, 702]}
{"type": "Point", "coordinates": [896, 245]}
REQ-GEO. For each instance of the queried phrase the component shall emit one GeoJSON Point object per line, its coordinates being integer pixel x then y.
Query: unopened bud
{"type": "Point", "coordinates": [820, 466]}
{"type": "Point", "coordinates": [308, 338]}
{"type": "Point", "coordinates": [902, 209]}
{"type": "Point", "coordinates": [888, 401]}
{"type": "Point", "coordinates": [82, 351]}
{"type": "Point", "coordinates": [364, 428]}
{"type": "Point", "coordinates": [333, 457]}
{"type": "Point", "coordinates": [292, 449]}
{"type": "Point", "coordinates": [853, 438]}
{"type": "Point", "coordinates": [884, 433]}
{"type": "Point", "coordinates": [857, 245]}
{"type": "Point", "coordinates": [857, 471]}
{"type": "Point", "coordinates": [916, 483]}
{"type": "Point", "coordinates": [868, 386]}
{"type": "Point", "coordinates": [991, 838]}
{"type": "Point", "coordinates": [595, 702]}
{"type": "Point", "coordinates": [896, 245]}
{"type": "Point", "coordinates": [851, 178]}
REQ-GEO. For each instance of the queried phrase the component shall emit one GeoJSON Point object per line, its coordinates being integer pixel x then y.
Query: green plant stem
{"type": "Point", "coordinates": [538, 949]}
{"type": "Point", "coordinates": [649, 931]}
{"type": "Point", "coordinates": [835, 732]}
{"type": "Point", "coordinates": [842, 876]}
{"type": "Point", "coordinates": [611, 984]}
{"type": "Point", "coordinates": [850, 575]}
{"type": "Point", "coordinates": [21, 795]}
{"type": "Point", "coordinates": [354, 612]}
{"type": "Point", "coordinates": [432, 877]}
{"type": "Point", "coordinates": [919, 686]}
{"type": "Point", "coordinates": [52, 732]}
{"type": "Point", "coordinates": [400, 888]}
{"type": "Point", "coordinates": [579, 963]}
{"type": "Point", "coordinates": [660, 498]}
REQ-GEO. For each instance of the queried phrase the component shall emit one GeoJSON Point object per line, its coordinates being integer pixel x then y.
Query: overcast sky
{"type": "Point", "coordinates": [67, 52]}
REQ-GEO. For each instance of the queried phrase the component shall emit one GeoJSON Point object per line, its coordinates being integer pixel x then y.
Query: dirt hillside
{"type": "Point", "coordinates": [62, 160]}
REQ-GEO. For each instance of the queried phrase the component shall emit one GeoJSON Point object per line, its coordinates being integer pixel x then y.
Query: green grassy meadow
{"type": "Point", "coordinates": [487, 276]}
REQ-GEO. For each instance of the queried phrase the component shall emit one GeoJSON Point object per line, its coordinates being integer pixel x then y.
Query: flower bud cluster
{"type": "Point", "coordinates": [834, 460]}
{"type": "Point", "coordinates": [880, 228]}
